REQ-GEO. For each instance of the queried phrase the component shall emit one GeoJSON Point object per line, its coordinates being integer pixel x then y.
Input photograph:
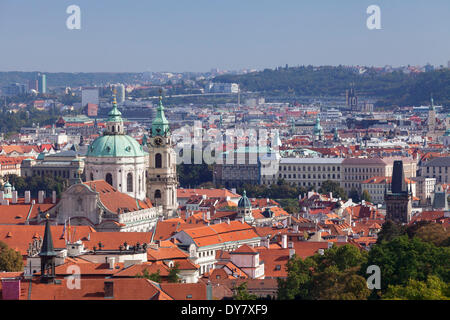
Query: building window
{"type": "Point", "coordinates": [157, 194]}
{"type": "Point", "coordinates": [109, 178]}
{"type": "Point", "coordinates": [158, 160]}
{"type": "Point", "coordinates": [92, 176]}
{"type": "Point", "coordinates": [130, 182]}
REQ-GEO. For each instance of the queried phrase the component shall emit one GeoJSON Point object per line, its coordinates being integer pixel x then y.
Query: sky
{"type": "Point", "coordinates": [197, 35]}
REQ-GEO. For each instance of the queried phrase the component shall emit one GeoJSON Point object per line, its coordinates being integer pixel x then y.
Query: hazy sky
{"type": "Point", "coordinates": [197, 35]}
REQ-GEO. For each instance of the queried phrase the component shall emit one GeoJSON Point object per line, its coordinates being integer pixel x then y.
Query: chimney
{"type": "Point", "coordinates": [14, 196]}
{"type": "Point", "coordinates": [208, 215]}
{"type": "Point", "coordinates": [186, 214]}
{"type": "Point", "coordinates": [228, 198]}
{"type": "Point", "coordinates": [33, 202]}
{"type": "Point", "coordinates": [284, 241]}
{"type": "Point", "coordinates": [233, 190]}
{"type": "Point", "coordinates": [228, 220]}
{"type": "Point", "coordinates": [6, 202]}
{"type": "Point", "coordinates": [291, 252]}
{"type": "Point", "coordinates": [290, 245]}
{"type": "Point", "coordinates": [331, 195]}
{"type": "Point", "coordinates": [53, 196]}
{"type": "Point", "coordinates": [268, 200]}
{"type": "Point", "coordinates": [204, 197]}
{"type": "Point", "coordinates": [41, 196]}
{"type": "Point", "coordinates": [27, 196]}
{"type": "Point", "coordinates": [266, 243]}
{"type": "Point", "coordinates": [10, 289]}
{"type": "Point", "coordinates": [330, 245]}
{"type": "Point", "coordinates": [111, 262]}
{"type": "Point", "coordinates": [109, 289]}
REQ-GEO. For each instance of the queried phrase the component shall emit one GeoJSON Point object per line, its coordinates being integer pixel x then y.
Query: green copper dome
{"type": "Point", "coordinates": [317, 128]}
{"type": "Point", "coordinates": [119, 145]}
{"type": "Point", "coordinates": [244, 202]}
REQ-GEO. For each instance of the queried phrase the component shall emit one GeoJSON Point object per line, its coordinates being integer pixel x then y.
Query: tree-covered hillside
{"type": "Point", "coordinates": [396, 88]}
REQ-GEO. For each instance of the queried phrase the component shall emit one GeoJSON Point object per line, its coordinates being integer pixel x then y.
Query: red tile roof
{"type": "Point", "coordinates": [114, 200]}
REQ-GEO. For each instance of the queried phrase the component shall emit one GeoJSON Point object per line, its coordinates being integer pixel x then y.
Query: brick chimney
{"type": "Point", "coordinates": [53, 196]}
{"type": "Point", "coordinates": [109, 289]}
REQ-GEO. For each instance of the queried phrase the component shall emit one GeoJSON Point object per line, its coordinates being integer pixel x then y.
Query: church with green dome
{"type": "Point", "coordinates": [117, 158]}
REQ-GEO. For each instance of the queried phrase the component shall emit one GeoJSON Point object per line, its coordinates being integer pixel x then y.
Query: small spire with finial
{"type": "Point", "coordinates": [114, 95]}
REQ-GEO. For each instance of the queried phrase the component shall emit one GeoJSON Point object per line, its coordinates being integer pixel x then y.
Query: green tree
{"type": "Point", "coordinates": [342, 257]}
{"type": "Point", "coordinates": [156, 277]}
{"type": "Point", "coordinates": [242, 293]}
{"type": "Point", "coordinates": [402, 259]}
{"type": "Point", "coordinates": [298, 282]}
{"type": "Point", "coordinates": [366, 196]}
{"type": "Point", "coordinates": [390, 230]}
{"type": "Point", "coordinates": [433, 289]}
{"type": "Point", "coordinates": [332, 284]}
{"type": "Point", "coordinates": [354, 195]}
{"type": "Point", "coordinates": [434, 233]}
{"type": "Point", "coordinates": [10, 260]}
{"type": "Point", "coordinates": [334, 187]}
{"type": "Point", "coordinates": [174, 273]}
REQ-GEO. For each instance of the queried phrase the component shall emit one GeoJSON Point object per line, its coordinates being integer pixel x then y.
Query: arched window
{"type": "Point", "coordinates": [109, 178]}
{"type": "Point", "coordinates": [158, 160]}
{"type": "Point", "coordinates": [130, 182]}
{"type": "Point", "coordinates": [92, 176]}
{"type": "Point", "coordinates": [157, 194]}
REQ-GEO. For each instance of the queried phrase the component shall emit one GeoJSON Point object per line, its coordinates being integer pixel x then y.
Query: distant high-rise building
{"type": "Point", "coordinates": [89, 95]}
{"type": "Point", "coordinates": [33, 85]}
{"type": "Point", "coordinates": [351, 98]}
{"type": "Point", "coordinates": [120, 92]}
{"type": "Point", "coordinates": [42, 83]}
{"type": "Point", "coordinates": [399, 199]}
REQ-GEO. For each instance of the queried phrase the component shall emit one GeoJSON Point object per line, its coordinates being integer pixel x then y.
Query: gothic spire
{"type": "Point", "coordinates": [47, 249]}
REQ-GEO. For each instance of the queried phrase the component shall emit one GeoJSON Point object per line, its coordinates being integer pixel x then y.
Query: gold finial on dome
{"type": "Point", "coordinates": [114, 95]}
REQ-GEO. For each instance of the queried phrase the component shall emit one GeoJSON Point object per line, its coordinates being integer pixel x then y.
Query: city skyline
{"type": "Point", "coordinates": [196, 37]}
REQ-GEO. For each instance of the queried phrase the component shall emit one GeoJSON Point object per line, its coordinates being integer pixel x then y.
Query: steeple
{"type": "Point", "coordinates": [47, 255]}
{"type": "Point", "coordinates": [160, 125]}
{"type": "Point", "coordinates": [47, 244]}
{"type": "Point", "coordinates": [115, 121]}
{"type": "Point", "coordinates": [432, 103]}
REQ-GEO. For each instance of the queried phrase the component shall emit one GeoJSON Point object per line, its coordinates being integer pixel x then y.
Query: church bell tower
{"type": "Point", "coordinates": [162, 171]}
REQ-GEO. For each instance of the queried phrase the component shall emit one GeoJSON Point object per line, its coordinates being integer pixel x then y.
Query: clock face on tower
{"type": "Point", "coordinates": [159, 141]}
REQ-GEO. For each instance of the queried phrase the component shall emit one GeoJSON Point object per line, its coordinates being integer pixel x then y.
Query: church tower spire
{"type": "Point", "coordinates": [162, 170]}
{"type": "Point", "coordinates": [160, 125]}
{"type": "Point", "coordinates": [115, 121]}
{"type": "Point", "coordinates": [48, 255]}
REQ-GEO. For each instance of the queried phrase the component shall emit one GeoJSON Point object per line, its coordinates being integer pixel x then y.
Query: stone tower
{"type": "Point", "coordinates": [162, 171]}
{"type": "Point", "coordinates": [399, 199]}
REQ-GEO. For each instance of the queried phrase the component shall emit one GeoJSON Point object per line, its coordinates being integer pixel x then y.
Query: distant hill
{"type": "Point", "coordinates": [70, 79]}
{"type": "Point", "coordinates": [396, 88]}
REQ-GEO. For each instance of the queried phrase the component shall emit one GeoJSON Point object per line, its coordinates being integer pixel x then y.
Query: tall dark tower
{"type": "Point", "coordinates": [48, 256]}
{"type": "Point", "coordinates": [399, 199]}
{"type": "Point", "coordinates": [351, 98]}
